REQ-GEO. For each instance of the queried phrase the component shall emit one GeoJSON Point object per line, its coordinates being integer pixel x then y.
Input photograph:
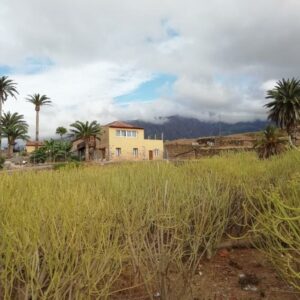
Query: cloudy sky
{"type": "Point", "coordinates": [143, 59]}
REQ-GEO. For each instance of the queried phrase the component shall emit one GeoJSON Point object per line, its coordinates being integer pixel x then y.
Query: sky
{"type": "Point", "coordinates": [109, 60]}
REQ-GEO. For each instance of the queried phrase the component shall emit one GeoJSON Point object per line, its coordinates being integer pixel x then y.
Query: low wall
{"type": "Point", "coordinates": [180, 151]}
{"type": "Point", "coordinates": [189, 151]}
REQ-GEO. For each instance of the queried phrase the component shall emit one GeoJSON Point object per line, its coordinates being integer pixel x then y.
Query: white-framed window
{"type": "Point", "coordinates": [126, 133]}
{"type": "Point", "coordinates": [135, 152]}
{"type": "Point", "coordinates": [156, 152]}
{"type": "Point", "coordinates": [118, 151]}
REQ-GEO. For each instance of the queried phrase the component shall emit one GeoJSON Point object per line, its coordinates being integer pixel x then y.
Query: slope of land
{"type": "Point", "coordinates": [177, 127]}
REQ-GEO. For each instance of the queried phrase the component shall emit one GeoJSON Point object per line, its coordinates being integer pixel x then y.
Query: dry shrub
{"type": "Point", "coordinates": [113, 231]}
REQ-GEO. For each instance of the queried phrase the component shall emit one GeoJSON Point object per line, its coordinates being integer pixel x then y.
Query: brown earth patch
{"type": "Point", "coordinates": [244, 274]}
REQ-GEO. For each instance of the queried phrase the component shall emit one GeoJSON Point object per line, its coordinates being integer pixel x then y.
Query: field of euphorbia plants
{"type": "Point", "coordinates": [102, 232]}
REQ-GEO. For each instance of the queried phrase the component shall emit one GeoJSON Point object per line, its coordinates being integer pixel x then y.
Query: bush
{"type": "Point", "coordinates": [93, 231]}
{"type": "Point", "coordinates": [38, 156]}
{"type": "Point", "coordinates": [270, 143]}
{"type": "Point", "coordinates": [2, 160]}
{"type": "Point", "coordinates": [52, 151]}
{"type": "Point", "coordinates": [277, 223]}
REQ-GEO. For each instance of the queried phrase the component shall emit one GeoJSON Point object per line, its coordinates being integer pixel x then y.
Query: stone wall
{"type": "Point", "coordinates": [179, 151]}
{"type": "Point", "coordinates": [209, 146]}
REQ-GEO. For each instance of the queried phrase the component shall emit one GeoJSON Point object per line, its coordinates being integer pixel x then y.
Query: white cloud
{"type": "Point", "coordinates": [103, 49]}
{"type": "Point", "coordinates": [84, 92]}
{"type": "Point", "coordinates": [269, 84]}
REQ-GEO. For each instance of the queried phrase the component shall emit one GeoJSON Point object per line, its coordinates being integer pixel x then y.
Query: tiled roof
{"type": "Point", "coordinates": [120, 124]}
{"type": "Point", "coordinates": [33, 143]}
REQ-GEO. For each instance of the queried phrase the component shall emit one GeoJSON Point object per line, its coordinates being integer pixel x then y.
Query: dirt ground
{"type": "Point", "coordinates": [233, 275]}
{"type": "Point", "coordinates": [225, 277]}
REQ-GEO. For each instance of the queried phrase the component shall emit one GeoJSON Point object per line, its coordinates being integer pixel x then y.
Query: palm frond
{"type": "Point", "coordinates": [284, 109]}
{"type": "Point", "coordinates": [39, 100]}
{"type": "Point", "coordinates": [7, 88]}
{"type": "Point", "coordinates": [85, 130]}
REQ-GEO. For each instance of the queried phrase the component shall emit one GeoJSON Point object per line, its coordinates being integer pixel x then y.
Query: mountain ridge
{"type": "Point", "coordinates": [178, 127]}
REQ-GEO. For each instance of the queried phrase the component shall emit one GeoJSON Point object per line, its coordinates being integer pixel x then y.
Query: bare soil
{"type": "Point", "coordinates": [231, 275]}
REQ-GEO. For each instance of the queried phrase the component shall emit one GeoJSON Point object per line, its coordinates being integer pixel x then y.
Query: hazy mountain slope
{"type": "Point", "coordinates": [181, 127]}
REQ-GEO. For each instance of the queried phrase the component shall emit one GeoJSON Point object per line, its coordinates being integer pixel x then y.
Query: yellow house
{"type": "Point", "coordinates": [122, 141]}
{"type": "Point", "coordinates": [31, 145]}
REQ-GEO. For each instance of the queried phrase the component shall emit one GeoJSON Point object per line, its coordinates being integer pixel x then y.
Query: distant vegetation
{"type": "Point", "coordinates": [52, 151]}
{"type": "Point", "coordinates": [92, 232]}
{"type": "Point", "coordinates": [61, 131]}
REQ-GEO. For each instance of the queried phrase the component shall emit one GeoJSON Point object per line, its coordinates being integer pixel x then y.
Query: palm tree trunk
{"type": "Point", "coordinates": [87, 151]}
{"type": "Point", "coordinates": [0, 126]}
{"type": "Point", "coordinates": [290, 132]}
{"type": "Point", "coordinates": [37, 122]}
{"type": "Point", "coordinates": [291, 142]}
{"type": "Point", "coordinates": [10, 150]}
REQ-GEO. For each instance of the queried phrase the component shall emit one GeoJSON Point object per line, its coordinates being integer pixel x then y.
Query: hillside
{"type": "Point", "coordinates": [177, 127]}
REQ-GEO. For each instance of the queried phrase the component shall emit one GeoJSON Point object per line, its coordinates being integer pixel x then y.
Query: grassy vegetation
{"type": "Point", "coordinates": [103, 232]}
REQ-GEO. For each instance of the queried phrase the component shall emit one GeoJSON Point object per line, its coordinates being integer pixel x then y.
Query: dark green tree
{"type": "Point", "coordinates": [13, 127]}
{"type": "Point", "coordinates": [52, 151]}
{"type": "Point", "coordinates": [270, 143]}
{"type": "Point", "coordinates": [284, 109]}
{"type": "Point", "coordinates": [61, 131]}
{"type": "Point", "coordinates": [7, 89]}
{"type": "Point", "coordinates": [86, 131]}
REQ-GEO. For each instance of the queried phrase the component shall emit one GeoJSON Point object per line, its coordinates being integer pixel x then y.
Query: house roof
{"type": "Point", "coordinates": [33, 143]}
{"type": "Point", "coordinates": [120, 124]}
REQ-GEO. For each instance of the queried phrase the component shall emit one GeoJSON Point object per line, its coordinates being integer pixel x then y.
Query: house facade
{"type": "Point", "coordinates": [32, 145]}
{"type": "Point", "coordinates": [122, 141]}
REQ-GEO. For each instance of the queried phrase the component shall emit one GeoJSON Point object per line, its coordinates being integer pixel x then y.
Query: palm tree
{"type": "Point", "coordinates": [284, 110]}
{"type": "Point", "coordinates": [13, 127]}
{"type": "Point", "coordinates": [52, 151]}
{"type": "Point", "coordinates": [86, 131]}
{"type": "Point", "coordinates": [7, 88]}
{"type": "Point", "coordinates": [38, 100]}
{"type": "Point", "coordinates": [61, 131]}
{"type": "Point", "coordinates": [270, 144]}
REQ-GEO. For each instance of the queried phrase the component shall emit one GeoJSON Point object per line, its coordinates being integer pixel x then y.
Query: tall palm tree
{"type": "Point", "coordinates": [13, 127]}
{"type": "Point", "coordinates": [7, 88]}
{"type": "Point", "coordinates": [270, 143]}
{"type": "Point", "coordinates": [86, 131]}
{"type": "Point", "coordinates": [284, 110]}
{"type": "Point", "coordinates": [61, 131]}
{"type": "Point", "coordinates": [38, 100]}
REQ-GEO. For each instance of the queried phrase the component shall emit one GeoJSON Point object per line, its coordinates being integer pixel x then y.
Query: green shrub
{"type": "Point", "coordinates": [277, 224]}
{"type": "Point", "coordinates": [77, 233]}
{"type": "Point", "coordinates": [2, 160]}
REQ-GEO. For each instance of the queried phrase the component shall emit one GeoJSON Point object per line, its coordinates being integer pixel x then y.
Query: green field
{"type": "Point", "coordinates": [96, 232]}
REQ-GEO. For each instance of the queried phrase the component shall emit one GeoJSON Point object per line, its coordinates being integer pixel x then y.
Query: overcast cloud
{"type": "Point", "coordinates": [84, 54]}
